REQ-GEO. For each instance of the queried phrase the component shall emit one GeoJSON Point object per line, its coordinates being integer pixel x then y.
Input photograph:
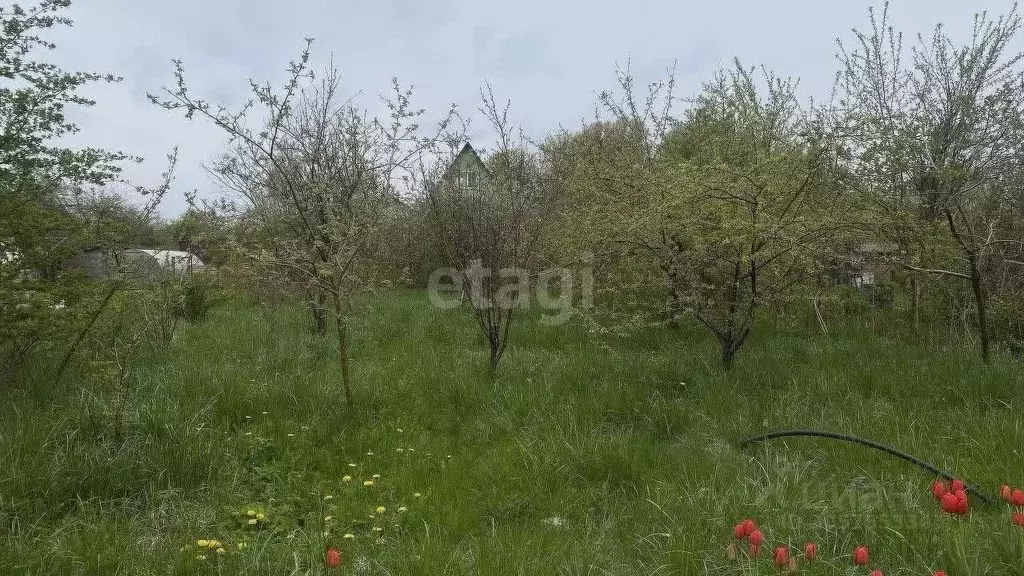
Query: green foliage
{"type": "Point", "coordinates": [32, 314]}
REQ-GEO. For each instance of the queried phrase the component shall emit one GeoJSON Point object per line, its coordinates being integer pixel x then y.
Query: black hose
{"type": "Point", "coordinates": [870, 444]}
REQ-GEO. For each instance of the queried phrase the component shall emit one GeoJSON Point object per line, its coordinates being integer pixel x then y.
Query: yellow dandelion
{"type": "Point", "coordinates": [215, 544]}
{"type": "Point", "coordinates": [368, 483]}
{"type": "Point", "coordinates": [202, 543]}
{"type": "Point", "coordinates": [349, 536]}
{"type": "Point", "coordinates": [221, 551]}
{"type": "Point", "coordinates": [328, 497]}
{"type": "Point", "coordinates": [381, 510]}
{"type": "Point", "coordinates": [251, 513]}
{"type": "Point", "coordinates": [346, 478]}
{"type": "Point", "coordinates": [260, 517]}
{"type": "Point", "coordinates": [402, 508]}
{"type": "Point", "coordinates": [253, 521]}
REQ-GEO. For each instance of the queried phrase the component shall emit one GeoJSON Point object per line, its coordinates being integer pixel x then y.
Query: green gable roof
{"type": "Point", "coordinates": [467, 159]}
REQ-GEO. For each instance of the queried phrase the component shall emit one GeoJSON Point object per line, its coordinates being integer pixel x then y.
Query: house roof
{"type": "Point", "coordinates": [467, 150]}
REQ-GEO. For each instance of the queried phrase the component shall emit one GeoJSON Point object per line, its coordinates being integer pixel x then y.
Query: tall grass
{"type": "Point", "coordinates": [578, 456]}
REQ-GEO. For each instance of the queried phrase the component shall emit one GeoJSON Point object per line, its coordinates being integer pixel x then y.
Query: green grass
{"type": "Point", "coordinates": [579, 456]}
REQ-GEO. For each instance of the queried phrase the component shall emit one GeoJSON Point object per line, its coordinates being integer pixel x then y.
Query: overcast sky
{"type": "Point", "coordinates": [550, 57]}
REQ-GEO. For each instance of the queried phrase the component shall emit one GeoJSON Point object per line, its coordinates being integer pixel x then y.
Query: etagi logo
{"type": "Point", "coordinates": [556, 292]}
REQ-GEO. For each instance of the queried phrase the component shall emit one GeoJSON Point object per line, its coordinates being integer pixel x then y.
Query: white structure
{"type": "Point", "coordinates": [144, 263]}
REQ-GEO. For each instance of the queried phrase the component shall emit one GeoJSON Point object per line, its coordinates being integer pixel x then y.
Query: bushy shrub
{"type": "Point", "coordinates": [200, 292]}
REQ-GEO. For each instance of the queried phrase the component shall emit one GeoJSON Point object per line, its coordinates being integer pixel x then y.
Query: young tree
{"type": "Point", "coordinates": [487, 220]}
{"type": "Point", "coordinates": [732, 204]}
{"type": "Point", "coordinates": [757, 197]}
{"type": "Point", "coordinates": [321, 174]}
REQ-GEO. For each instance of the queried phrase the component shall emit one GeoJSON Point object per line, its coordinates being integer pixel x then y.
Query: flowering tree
{"type": "Point", "coordinates": [757, 201]}
{"type": "Point", "coordinates": [731, 205]}
{"type": "Point", "coordinates": [319, 173]}
{"type": "Point", "coordinates": [938, 138]}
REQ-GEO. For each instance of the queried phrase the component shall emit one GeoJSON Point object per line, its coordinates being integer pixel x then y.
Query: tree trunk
{"type": "Point", "coordinates": [672, 308]}
{"type": "Point", "coordinates": [728, 354]}
{"type": "Point", "coordinates": [915, 304]}
{"type": "Point", "coordinates": [977, 285]}
{"type": "Point", "coordinates": [979, 300]}
{"type": "Point", "coordinates": [495, 356]}
{"type": "Point", "coordinates": [671, 296]}
{"type": "Point", "coordinates": [342, 326]}
{"type": "Point", "coordinates": [318, 309]}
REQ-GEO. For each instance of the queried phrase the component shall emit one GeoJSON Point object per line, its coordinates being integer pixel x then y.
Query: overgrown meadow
{"type": "Point", "coordinates": [580, 456]}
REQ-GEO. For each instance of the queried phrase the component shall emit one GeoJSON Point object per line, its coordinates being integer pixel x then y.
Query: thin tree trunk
{"type": "Point", "coordinates": [672, 298]}
{"type": "Point", "coordinates": [85, 331]}
{"type": "Point", "coordinates": [915, 304]}
{"type": "Point", "coordinates": [495, 356]}
{"type": "Point", "coordinates": [318, 310]}
{"type": "Point", "coordinates": [342, 326]}
{"type": "Point", "coordinates": [979, 300]}
{"type": "Point", "coordinates": [976, 284]}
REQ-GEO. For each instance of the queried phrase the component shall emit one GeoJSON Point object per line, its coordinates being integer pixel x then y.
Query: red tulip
{"type": "Point", "coordinates": [781, 556]}
{"type": "Point", "coordinates": [739, 531]}
{"type": "Point", "coordinates": [1018, 519]}
{"type": "Point", "coordinates": [1017, 497]}
{"type": "Point", "coordinates": [950, 503]}
{"type": "Point", "coordinates": [962, 506]}
{"type": "Point", "coordinates": [860, 555]}
{"type": "Point", "coordinates": [811, 550]}
{"type": "Point", "coordinates": [940, 573]}
{"type": "Point", "coordinates": [957, 484]}
{"type": "Point", "coordinates": [748, 527]}
{"type": "Point", "coordinates": [756, 538]}
{"type": "Point", "coordinates": [1005, 493]}
{"type": "Point", "coordinates": [333, 559]}
{"type": "Point", "coordinates": [876, 572]}
{"type": "Point", "coordinates": [938, 489]}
